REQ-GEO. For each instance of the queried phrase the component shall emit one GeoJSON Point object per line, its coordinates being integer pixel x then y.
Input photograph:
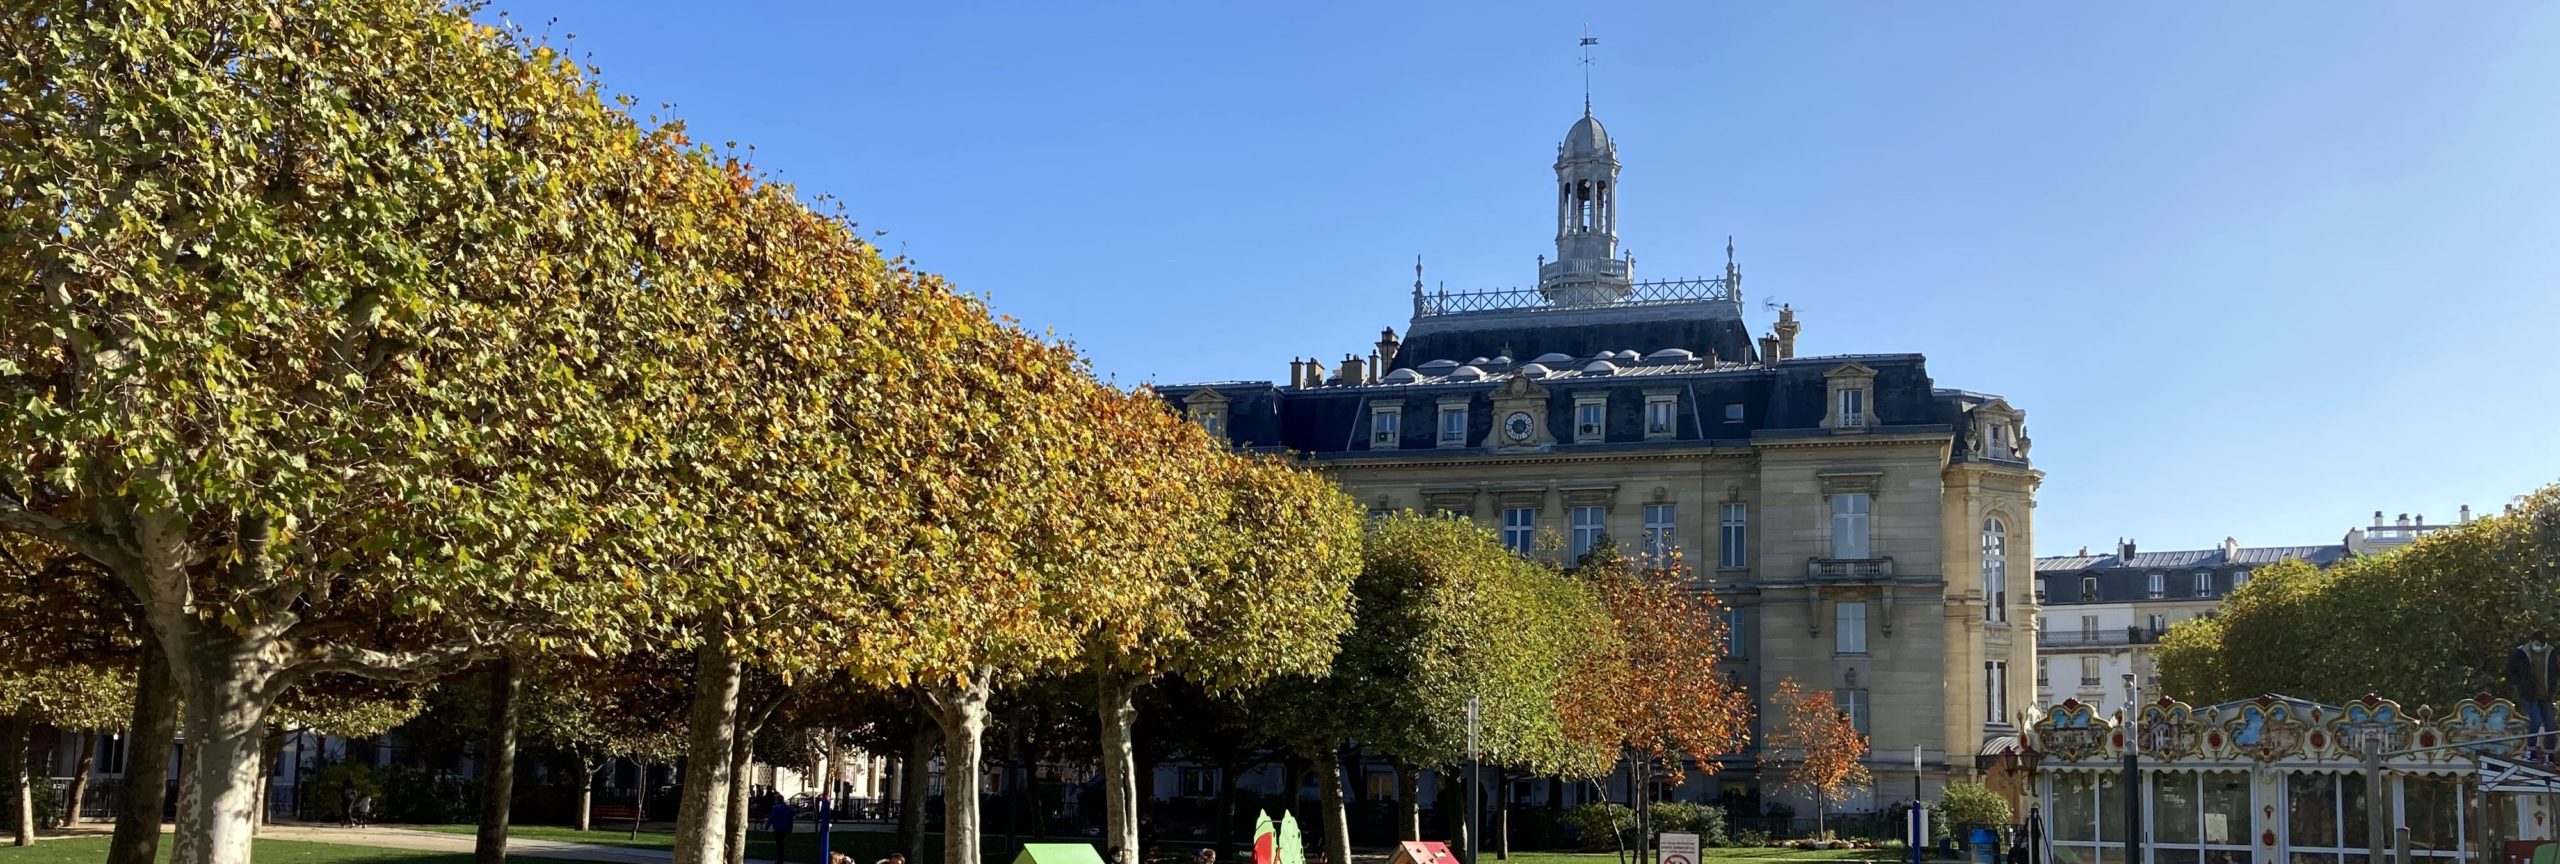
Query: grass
{"type": "Point", "coordinates": [89, 850]}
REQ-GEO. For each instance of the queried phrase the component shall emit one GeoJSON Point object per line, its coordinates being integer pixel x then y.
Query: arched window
{"type": "Point", "coordinates": [1995, 570]}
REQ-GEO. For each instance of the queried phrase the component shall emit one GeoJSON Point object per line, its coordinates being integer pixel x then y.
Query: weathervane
{"type": "Point", "coordinates": [1588, 40]}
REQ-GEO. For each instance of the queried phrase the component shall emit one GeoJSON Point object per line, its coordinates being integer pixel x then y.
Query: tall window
{"type": "Point", "coordinates": [1995, 570]}
{"type": "Point", "coordinates": [2159, 585]}
{"type": "Point", "coordinates": [1385, 426]}
{"type": "Point", "coordinates": [1995, 692]}
{"type": "Point", "coordinates": [1849, 628]}
{"type": "Point", "coordinates": [2088, 628]}
{"type": "Point", "coordinates": [1853, 407]}
{"type": "Point", "coordinates": [1208, 419]}
{"type": "Point", "coordinates": [1732, 535]}
{"type": "Point", "coordinates": [2159, 623]}
{"type": "Point", "coordinates": [2239, 578]}
{"type": "Point", "coordinates": [1588, 418]}
{"type": "Point", "coordinates": [2000, 441]}
{"type": "Point", "coordinates": [1660, 536]}
{"type": "Point", "coordinates": [2088, 671]}
{"type": "Point", "coordinates": [1849, 525]}
{"type": "Point", "coordinates": [1453, 426]}
{"type": "Point", "coordinates": [1587, 528]}
{"type": "Point", "coordinates": [2204, 583]}
{"type": "Point", "coordinates": [1852, 702]}
{"type": "Point", "coordinates": [1520, 529]}
{"type": "Point", "coordinates": [2044, 671]}
{"type": "Point", "coordinates": [1735, 644]}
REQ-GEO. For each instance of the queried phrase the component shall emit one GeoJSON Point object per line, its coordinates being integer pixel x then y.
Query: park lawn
{"type": "Point", "coordinates": [618, 836]}
{"type": "Point", "coordinates": [89, 850]}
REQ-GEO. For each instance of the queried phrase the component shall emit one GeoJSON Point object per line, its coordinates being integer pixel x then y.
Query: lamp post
{"type": "Point", "coordinates": [2132, 770]}
{"type": "Point", "coordinates": [1919, 816]}
{"type": "Point", "coordinates": [1475, 776]}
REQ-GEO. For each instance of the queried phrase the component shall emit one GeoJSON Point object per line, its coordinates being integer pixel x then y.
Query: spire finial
{"type": "Point", "coordinates": [1588, 40]}
{"type": "Point", "coordinates": [1728, 250]}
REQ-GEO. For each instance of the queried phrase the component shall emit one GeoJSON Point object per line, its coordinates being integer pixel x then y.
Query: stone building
{"type": "Point", "coordinates": [1862, 522]}
{"type": "Point", "coordinates": [2103, 614]}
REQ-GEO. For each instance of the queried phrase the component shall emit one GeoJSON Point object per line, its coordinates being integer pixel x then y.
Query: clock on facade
{"type": "Point", "coordinates": [1519, 425]}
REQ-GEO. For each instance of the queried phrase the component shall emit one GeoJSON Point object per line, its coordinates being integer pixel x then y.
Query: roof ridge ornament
{"type": "Point", "coordinates": [1588, 40]}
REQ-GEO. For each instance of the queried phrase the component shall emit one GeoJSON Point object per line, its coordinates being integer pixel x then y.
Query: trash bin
{"type": "Point", "coordinates": [1986, 846]}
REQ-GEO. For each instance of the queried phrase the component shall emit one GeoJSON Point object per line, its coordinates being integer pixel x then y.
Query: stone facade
{"type": "Point", "coordinates": [1871, 532]}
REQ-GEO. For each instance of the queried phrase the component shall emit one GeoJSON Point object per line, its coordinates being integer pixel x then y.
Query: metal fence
{"type": "Point", "coordinates": [1656, 293]}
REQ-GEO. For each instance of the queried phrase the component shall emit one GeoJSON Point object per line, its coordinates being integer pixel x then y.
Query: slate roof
{"type": "Point", "coordinates": [2121, 580]}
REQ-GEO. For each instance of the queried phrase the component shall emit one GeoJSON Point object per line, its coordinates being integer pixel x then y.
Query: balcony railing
{"type": "Point", "coordinates": [2107, 636]}
{"type": "Point", "coordinates": [1847, 569]}
{"type": "Point", "coordinates": [1660, 293]}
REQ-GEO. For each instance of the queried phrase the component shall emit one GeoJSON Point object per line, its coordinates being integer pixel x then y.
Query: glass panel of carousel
{"type": "Point", "coordinates": [2432, 807]}
{"type": "Point", "coordinates": [2075, 818]}
{"type": "Point", "coordinates": [2226, 812]}
{"type": "Point", "coordinates": [2110, 806]}
{"type": "Point", "coordinates": [2311, 817]}
{"type": "Point", "coordinates": [2173, 812]}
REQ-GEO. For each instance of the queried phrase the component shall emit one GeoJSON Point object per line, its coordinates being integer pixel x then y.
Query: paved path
{"type": "Point", "coordinates": [433, 841]}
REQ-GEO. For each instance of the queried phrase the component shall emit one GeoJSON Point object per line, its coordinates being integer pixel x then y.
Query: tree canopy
{"type": "Point", "coordinates": [2428, 623]}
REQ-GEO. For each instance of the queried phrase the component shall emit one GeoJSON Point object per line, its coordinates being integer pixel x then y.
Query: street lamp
{"type": "Point", "coordinates": [2132, 770]}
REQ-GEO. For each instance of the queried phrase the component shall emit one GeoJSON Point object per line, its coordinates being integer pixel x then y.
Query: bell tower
{"type": "Point", "coordinates": [1587, 269]}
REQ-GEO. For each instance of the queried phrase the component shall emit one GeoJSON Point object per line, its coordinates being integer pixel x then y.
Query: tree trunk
{"type": "Point", "coordinates": [740, 758]}
{"type": "Point", "coordinates": [1408, 800]}
{"type": "Point", "coordinates": [702, 819]}
{"type": "Point", "coordinates": [80, 779]}
{"type": "Point", "coordinates": [640, 799]}
{"type": "Point", "coordinates": [1644, 807]}
{"type": "Point", "coordinates": [962, 713]}
{"type": "Point", "coordinates": [270, 751]}
{"type": "Point", "coordinates": [14, 732]}
{"type": "Point", "coordinates": [227, 689]}
{"type": "Point", "coordinates": [147, 742]}
{"type": "Point", "coordinates": [497, 792]}
{"type": "Point", "coordinates": [1337, 817]}
{"type": "Point", "coordinates": [587, 768]}
{"type": "Point", "coordinates": [915, 783]}
{"type": "Point", "coordinates": [1118, 703]}
{"type": "Point", "coordinates": [1502, 820]}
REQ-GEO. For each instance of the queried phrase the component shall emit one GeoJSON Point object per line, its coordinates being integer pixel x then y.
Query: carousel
{"type": "Point", "coordinates": [2279, 780]}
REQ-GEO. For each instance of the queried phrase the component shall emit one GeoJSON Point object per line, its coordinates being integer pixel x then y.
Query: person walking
{"type": "Point", "coordinates": [779, 822]}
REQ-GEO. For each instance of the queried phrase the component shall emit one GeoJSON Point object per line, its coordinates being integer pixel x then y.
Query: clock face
{"type": "Point", "coordinates": [1519, 425]}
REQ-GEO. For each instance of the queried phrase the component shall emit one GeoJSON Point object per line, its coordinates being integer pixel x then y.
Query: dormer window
{"type": "Point", "coordinates": [1852, 403]}
{"type": "Point", "coordinates": [2088, 589]}
{"type": "Point", "coordinates": [2000, 441]}
{"type": "Point", "coordinates": [1209, 409]}
{"type": "Point", "coordinates": [2159, 585]}
{"type": "Point", "coordinates": [1590, 419]}
{"type": "Point", "coordinates": [2204, 583]}
{"type": "Point", "coordinates": [1453, 426]}
{"type": "Point", "coordinates": [1661, 416]}
{"type": "Point", "coordinates": [1386, 427]}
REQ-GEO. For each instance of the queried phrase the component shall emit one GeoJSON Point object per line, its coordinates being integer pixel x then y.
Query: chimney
{"type": "Point", "coordinates": [2084, 551]}
{"type": "Point", "coordinates": [2465, 518]}
{"type": "Point", "coordinates": [1374, 367]}
{"type": "Point", "coordinates": [1297, 372]}
{"type": "Point", "coordinates": [1351, 370]}
{"type": "Point", "coordinates": [1387, 345]}
{"type": "Point", "coordinates": [2124, 551]}
{"type": "Point", "coordinates": [2377, 518]}
{"type": "Point", "coordinates": [2422, 520]}
{"type": "Point", "coordinates": [1787, 329]}
{"type": "Point", "coordinates": [1769, 355]}
{"type": "Point", "coordinates": [1315, 373]}
{"type": "Point", "coordinates": [2230, 548]}
{"type": "Point", "coordinates": [2355, 541]}
{"type": "Point", "coordinates": [2404, 520]}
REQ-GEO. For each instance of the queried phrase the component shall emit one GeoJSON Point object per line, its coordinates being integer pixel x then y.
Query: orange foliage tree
{"type": "Point", "coordinates": [1658, 691]}
{"type": "Point", "coordinates": [1815, 748]}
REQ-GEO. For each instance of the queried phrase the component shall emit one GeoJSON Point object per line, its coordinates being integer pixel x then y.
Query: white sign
{"type": "Point", "coordinates": [1679, 848]}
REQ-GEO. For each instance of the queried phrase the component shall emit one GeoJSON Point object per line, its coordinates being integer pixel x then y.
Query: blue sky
{"type": "Point", "coordinates": [2253, 270]}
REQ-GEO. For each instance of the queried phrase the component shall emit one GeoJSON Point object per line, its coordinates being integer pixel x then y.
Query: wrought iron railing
{"type": "Point", "coordinates": [1658, 293]}
{"type": "Point", "coordinates": [2105, 636]}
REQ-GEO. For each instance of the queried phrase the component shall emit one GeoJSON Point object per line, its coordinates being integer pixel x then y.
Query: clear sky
{"type": "Point", "coordinates": [2252, 269]}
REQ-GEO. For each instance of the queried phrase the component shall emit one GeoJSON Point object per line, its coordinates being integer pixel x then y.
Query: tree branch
{"type": "Point", "coordinates": [16, 516]}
